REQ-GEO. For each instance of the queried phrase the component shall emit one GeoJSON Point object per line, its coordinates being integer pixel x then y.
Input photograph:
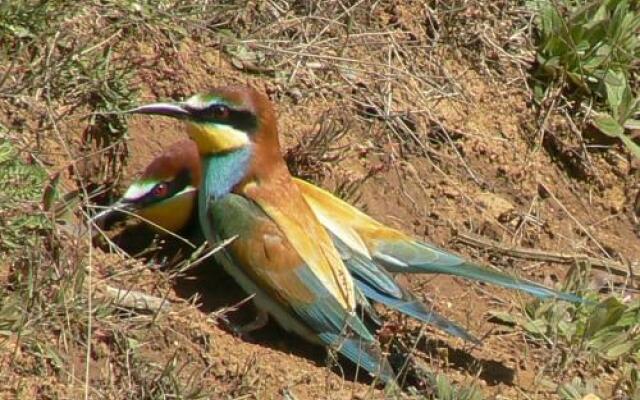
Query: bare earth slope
{"type": "Point", "coordinates": [441, 139]}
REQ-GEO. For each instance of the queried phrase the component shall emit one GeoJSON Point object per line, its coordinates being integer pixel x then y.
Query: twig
{"type": "Point", "coordinates": [466, 166]}
{"type": "Point", "coordinates": [574, 219]}
{"type": "Point", "coordinates": [93, 221]}
{"type": "Point", "coordinates": [213, 251]}
{"type": "Point", "coordinates": [601, 264]}
{"type": "Point", "coordinates": [220, 313]}
{"type": "Point", "coordinates": [136, 300]}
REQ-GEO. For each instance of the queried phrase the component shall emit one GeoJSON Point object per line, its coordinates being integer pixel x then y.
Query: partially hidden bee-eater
{"type": "Point", "coordinates": [281, 253]}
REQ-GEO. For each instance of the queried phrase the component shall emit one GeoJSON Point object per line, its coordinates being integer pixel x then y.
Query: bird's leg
{"type": "Point", "coordinates": [261, 320]}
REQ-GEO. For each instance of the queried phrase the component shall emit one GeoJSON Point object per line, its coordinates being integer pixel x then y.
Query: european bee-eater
{"type": "Point", "coordinates": [281, 252]}
{"type": "Point", "coordinates": [231, 127]}
{"type": "Point", "coordinates": [150, 196]}
{"type": "Point", "coordinates": [165, 193]}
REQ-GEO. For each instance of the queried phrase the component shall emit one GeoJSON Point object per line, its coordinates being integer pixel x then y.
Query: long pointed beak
{"type": "Point", "coordinates": [174, 110]}
{"type": "Point", "coordinates": [110, 214]}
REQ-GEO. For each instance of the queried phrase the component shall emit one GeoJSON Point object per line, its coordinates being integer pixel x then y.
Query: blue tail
{"type": "Point", "coordinates": [414, 257]}
{"type": "Point", "coordinates": [417, 310]}
{"type": "Point", "coordinates": [378, 285]}
{"type": "Point", "coordinates": [364, 354]}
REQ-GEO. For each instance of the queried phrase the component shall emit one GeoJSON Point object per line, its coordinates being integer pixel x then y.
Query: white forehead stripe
{"type": "Point", "coordinates": [138, 189]}
{"type": "Point", "coordinates": [197, 102]}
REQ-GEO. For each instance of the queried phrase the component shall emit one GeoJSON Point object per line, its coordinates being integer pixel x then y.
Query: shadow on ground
{"type": "Point", "coordinates": [214, 290]}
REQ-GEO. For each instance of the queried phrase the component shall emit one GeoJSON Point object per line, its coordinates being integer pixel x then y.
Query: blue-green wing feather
{"type": "Point", "coordinates": [378, 285]}
{"type": "Point", "coordinates": [417, 310]}
{"type": "Point", "coordinates": [347, 334]}
{"type": "Point", "coordinates": [296, 297]}
{"type": "Point", "coordinates": [413, 257]}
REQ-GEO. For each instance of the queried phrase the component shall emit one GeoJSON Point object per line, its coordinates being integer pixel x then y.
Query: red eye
{"type": "Point", "coordinates": [160, 190]}
{"type": "Point", "coordinates": [220, 112]}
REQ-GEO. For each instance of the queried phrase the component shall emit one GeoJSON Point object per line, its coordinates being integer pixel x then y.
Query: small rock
{"type": "Point", "coordinates": [495, 205]}
{"type": "Point", "coordinates": [295, 94]}
{"type": "Point", "coordinates": [615, 199]}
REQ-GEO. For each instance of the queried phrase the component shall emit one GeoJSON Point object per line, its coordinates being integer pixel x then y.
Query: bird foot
{"type": "Point", "coordinates": [261, 320]}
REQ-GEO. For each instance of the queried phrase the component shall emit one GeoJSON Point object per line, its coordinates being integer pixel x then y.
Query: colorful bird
{"type": "Point", "coordinates": [162, 190]}
{"type": "Point", "coordinates": [165, 194]}
{"type": "Point", "coordinates": [281, 253]}
{"type": "Point", "coordinates": [218, 122]}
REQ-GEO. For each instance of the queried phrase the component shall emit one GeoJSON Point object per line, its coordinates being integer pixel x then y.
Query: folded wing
{"type": "Point", "coordinates": [264, 262]}
{"type": "Point", "coordinates": [398, 252]}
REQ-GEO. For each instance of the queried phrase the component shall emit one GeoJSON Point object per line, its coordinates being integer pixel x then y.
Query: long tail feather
{"type": "Point", "coordinates": [417, 310]}
{"type": "Point", "coordinates": [378, 285]}
{"type": "Point", "coordinates": [363, 354]}
{"type": "Point", "coordinates": [422, 258]}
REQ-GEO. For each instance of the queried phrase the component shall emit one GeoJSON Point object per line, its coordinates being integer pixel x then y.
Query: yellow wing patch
{"type": "Point", "coordinates": [358, 230]}
{"type": "Point", "coordinates": [285, 205]}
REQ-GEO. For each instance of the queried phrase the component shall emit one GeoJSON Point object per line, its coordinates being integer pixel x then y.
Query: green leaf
{"type": "Point", "coordinates": [571, 391]}
{"type": "Point", "coordinates": [606, 314]}
{"type": "Point", "coordinates": [50, 192]}
{"type": "Point", "coordinates": [536, 327]}
{"type": "Point", "coordinates": [582, 47]}
{"type": "Point", "coordinates": [580, 80]}
{"type": "Point", "coordinates": [615, 83]}
{"type": "Point", "coordinates": [619, 350]}
{"type": "Point", "coordinates": [608, 125]}
{"type": "Point", "coordinates": [552, 63]}
{"type": "Point", "coordinates": [598, 17]}
{"type": "Point", "coordinates": [19, 31]}
{"type": "Point", "coordinates": [631, 145]}
{"type": "Point", "coordinates": [627, 105]}
{"type": "Point", "coordinates": [566, 329]}
{"type": "Point", "coordinates": [504, 317]}
{"type": "Point", "coordinates": [132, 343]}
{"type": "Point", "coordinates": [549, 18]}
{"type": "Point", "coordinates": [592, 63]}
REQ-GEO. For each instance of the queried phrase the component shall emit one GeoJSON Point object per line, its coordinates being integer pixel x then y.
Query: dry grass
{"type": "Point", "coordinates": [421, 112]}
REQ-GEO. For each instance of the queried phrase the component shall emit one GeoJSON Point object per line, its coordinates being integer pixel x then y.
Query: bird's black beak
{"type": "Point", "coordinates": [113, 213]}
{"type": "Point", "coordinates": [174, 110]}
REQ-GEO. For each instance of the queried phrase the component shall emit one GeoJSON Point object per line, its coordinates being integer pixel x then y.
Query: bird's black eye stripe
{"type": "Point", "coordinates": [218, 112]}
{"type": "Point", "coordinates": [181, 181]}
{"type": "Point", "coordinates": [241, 120]}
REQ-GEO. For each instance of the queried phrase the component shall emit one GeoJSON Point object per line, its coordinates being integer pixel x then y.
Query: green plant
{"type": "Point", "coordinates": [593, 47]}
{"type": "Point", "coordinates": [624, 109]}
{"type": "Point", "coordinates": [21, 186]}
{"type": "Point", "coordinates": [151, 380]}
{"type": "Point", "coordinates": [594, 333]}
{"type": "Point", "coordinates": [629, 381]}
{"type": "Point", "coordinates": [604, 330]}
{"type": "Point", "coordinates": [577, 389]}
{"type": "Point", "coordinates": [445, 390]}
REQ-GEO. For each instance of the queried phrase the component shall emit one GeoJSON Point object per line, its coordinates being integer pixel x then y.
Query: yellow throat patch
{"type": "Point", "coordinates": [216, 138]}
{"type": "Point", "coordinates": [172, 214]}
